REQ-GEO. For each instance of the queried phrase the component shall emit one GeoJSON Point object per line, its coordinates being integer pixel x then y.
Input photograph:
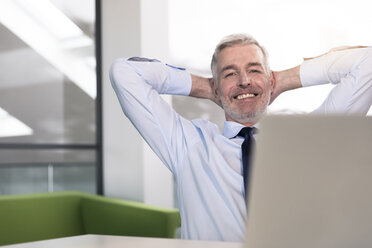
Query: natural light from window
{"type": "Point", "coordinates": [11, 126]}
{"type": "Point", "coordinates": [47, 30]}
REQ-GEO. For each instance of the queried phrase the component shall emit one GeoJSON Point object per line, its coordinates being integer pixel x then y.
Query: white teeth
{"type": "Point", "coordinates": [243, 96]}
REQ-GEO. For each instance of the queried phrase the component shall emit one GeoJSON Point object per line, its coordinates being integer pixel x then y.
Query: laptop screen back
{"type": "Point", "coordinates": [311, 183]}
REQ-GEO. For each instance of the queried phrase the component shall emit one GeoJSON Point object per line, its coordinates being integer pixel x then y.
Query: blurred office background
{"type": "Point", "coordinates": [48, 85]}
{"type": "Point", "coordinates": [61, 127]}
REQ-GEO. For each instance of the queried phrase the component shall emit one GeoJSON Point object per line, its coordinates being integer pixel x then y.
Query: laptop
{"type": "Point", "coordinates": [311, 183]}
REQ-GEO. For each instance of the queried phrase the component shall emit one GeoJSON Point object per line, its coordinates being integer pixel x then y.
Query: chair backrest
{"type": "Point", "coordinates": [104, 215]}
{"type": "Point", "coordinates": [25, 218]}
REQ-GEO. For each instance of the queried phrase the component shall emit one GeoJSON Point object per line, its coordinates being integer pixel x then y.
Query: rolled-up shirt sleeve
{"type": "Point", "coordinates": [137, 85]}
{"type": "Point", "coordinates": [351, 72]}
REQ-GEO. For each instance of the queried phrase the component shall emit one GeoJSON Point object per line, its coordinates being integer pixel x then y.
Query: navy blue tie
{"type": "Point", "coordinates": [247, 148]}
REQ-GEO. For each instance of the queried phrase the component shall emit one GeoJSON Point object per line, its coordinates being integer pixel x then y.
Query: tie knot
{"type": "Point", "coordinates": [247, 131]}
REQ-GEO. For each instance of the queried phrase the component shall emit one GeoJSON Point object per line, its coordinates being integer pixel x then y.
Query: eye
{"type": "Point", "coordinates": [255, 71]}
{"type": "Point", "coordinates": [230, 74]}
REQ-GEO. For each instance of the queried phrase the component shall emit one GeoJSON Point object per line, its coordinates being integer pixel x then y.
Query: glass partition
{"type": "Point", "coordinates": [48, 96]}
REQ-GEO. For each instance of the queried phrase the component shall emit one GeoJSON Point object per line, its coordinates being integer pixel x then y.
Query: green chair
{"type": "Point", "coordinates": [32, 217]}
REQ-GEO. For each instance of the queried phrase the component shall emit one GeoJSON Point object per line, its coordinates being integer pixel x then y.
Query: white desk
{"type": "Point", "coordinates": [105, 241]}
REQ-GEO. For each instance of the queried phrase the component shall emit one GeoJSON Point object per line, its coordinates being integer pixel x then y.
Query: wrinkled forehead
{"type": "Point", "coordinates": [240, 56]}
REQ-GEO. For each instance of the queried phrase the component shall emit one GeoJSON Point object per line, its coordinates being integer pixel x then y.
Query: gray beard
{"type": "Point", "coordinates": [243, 118]}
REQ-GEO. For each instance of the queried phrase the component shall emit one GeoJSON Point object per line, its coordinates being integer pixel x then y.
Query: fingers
{"type": "Point", "coordinates": [336, 49]}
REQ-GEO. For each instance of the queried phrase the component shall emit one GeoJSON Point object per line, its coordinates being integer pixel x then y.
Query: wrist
{"type": "Point", "coordinates": [201, 87]}
{"type": "Point", "coordinates": [288, 79]}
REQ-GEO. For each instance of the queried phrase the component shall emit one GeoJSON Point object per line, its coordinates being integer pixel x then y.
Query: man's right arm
{"type": "Point", "coordinates": [203, 88]}
{"type": "Point", "coordinates": [138, 84]}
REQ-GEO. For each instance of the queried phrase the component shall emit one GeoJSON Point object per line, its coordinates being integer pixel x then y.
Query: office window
{"type": "Point", "coordinates": [49, 119]}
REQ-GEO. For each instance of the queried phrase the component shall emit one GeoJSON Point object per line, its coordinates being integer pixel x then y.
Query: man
{"type": "Point", "coordinates": [207, 164]}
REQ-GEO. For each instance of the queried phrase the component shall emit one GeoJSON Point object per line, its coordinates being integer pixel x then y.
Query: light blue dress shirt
{"type": "Point", "coordinates": [207, 165]}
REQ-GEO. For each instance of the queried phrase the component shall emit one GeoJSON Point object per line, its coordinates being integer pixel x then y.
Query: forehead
{"type": "Point", "coordinates": [240, 55]}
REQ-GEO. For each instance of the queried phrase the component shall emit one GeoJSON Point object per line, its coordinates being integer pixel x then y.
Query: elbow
{"type": "Point", "coordinates": [120, 73]}
{"type": "Point", "coordinates": [115, 71]}
{"type": "Point", "coordinates": [370, 53]}
{"type": "Point", "coordinates": [366, 63]}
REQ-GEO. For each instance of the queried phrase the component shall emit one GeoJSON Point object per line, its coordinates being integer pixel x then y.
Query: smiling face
{"type": "Point", "coordinates": [243, 83]}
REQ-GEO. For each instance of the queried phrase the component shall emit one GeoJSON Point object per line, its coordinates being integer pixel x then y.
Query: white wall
{"type": "Point", "coordinates": [158, 181]}
{"type": "Point", "coordinates": [131, 170]}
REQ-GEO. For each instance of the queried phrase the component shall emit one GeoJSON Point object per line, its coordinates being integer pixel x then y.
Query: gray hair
{"type": "Point", "coordinates": [237, 39]}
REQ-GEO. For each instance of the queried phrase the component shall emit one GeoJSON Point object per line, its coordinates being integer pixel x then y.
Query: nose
{"type": "Point", "coordinates": [244, 80]}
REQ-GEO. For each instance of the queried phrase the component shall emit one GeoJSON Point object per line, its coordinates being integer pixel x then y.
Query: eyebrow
{"type": "Point", "coordinates": [228, 67]}
{"type": "Point", "coordinates": [233, 67]}
{"type": "Point", "coordinates": [254, 64]}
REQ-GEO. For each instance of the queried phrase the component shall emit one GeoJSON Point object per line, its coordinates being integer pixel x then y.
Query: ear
{"type": "Point", "coordinates": [272, 81]}
{"type": "Point", "coordinates": [273, 84]}
{"type": "Point", "coordinates": [214, 88]}
{"type": "Point", "coordinates": [215, 92]}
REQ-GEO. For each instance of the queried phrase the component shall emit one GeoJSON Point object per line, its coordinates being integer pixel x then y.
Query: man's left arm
{"type": "Point", "coordinates": [350, 69]}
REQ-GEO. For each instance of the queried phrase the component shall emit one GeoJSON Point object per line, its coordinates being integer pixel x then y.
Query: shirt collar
{"type": "Point", "coordinates": [231, 129]}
